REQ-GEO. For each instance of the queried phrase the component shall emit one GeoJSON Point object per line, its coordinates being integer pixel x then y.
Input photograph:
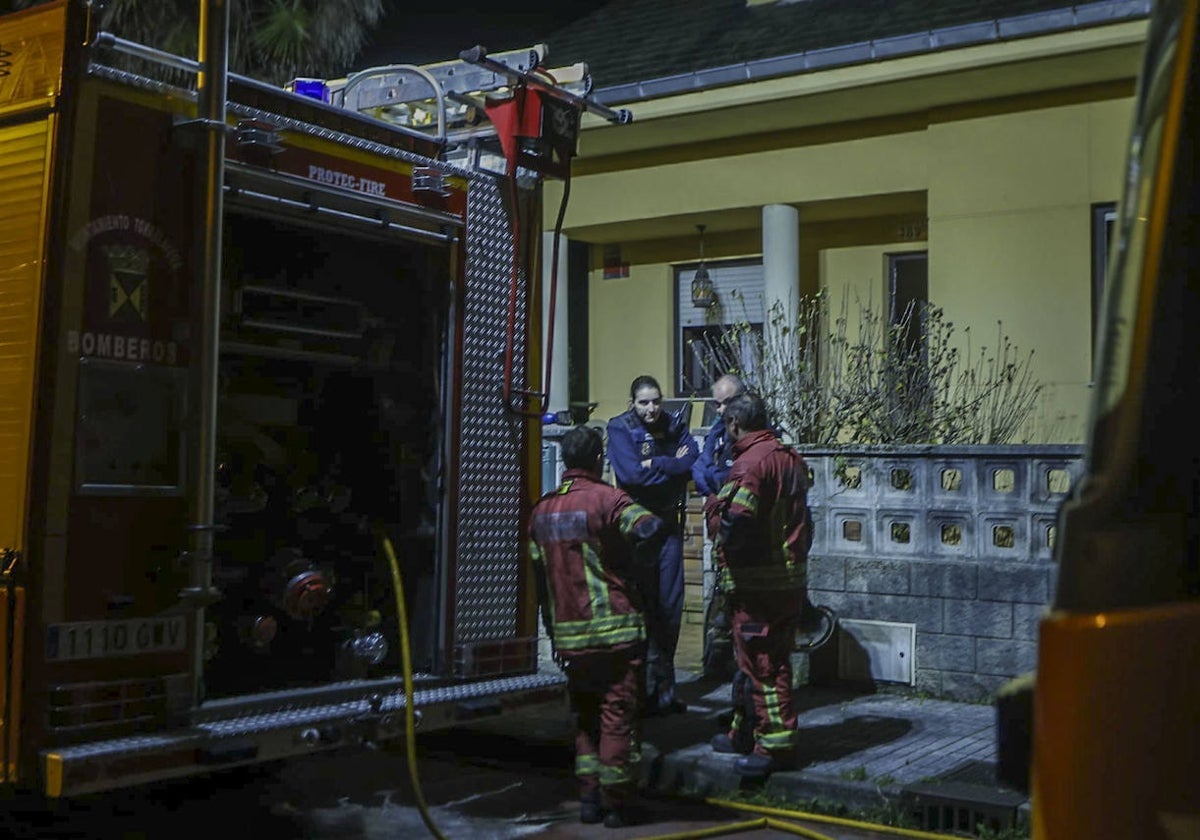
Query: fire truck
{"type": "Point", "coordinates": [270, 400]}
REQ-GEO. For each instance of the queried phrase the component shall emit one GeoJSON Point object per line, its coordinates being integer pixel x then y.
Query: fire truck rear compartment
{"type": "Point", "coordinates": [327, 433]}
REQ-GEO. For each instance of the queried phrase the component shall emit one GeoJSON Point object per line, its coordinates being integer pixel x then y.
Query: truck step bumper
{"type": "Point", "coordinates": [259, 728]}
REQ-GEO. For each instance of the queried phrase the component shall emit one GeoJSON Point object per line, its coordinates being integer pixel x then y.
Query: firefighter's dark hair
{"type": "Point", "coordinates": [644, 381]}
{"type": "Point", "coordinates": [582, 447]}
{"type": "Point", "coordinates": [749, 410]}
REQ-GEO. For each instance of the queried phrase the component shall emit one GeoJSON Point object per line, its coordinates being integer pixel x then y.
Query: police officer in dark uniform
{"type": "Point", "coordinates": [652, 453]}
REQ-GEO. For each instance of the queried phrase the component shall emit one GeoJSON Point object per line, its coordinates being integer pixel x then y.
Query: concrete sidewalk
{"type": "Point", "coordinates": [934, 760]}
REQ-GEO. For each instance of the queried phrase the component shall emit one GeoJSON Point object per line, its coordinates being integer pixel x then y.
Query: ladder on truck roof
{"type": "Point", "coordinates": [448, 98]}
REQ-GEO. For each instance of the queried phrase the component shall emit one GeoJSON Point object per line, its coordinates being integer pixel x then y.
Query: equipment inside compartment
{"type": "Point", "coordinates": [329, 429]}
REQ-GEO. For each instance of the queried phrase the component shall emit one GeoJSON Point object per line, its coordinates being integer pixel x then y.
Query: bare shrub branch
{"type": "Point", "coordinates": [893, 383]}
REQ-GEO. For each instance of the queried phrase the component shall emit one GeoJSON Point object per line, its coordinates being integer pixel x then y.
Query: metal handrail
{"type": "Point", "coordinates": [479, 57]}
{"type": "Point", "coordinates": [438, 93]}
{"type": "Point", "coordinates": [109, 41]}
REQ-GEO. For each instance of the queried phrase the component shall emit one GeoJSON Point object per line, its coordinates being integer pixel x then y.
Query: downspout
{"type": "Point", "coordinates": [211, 84]}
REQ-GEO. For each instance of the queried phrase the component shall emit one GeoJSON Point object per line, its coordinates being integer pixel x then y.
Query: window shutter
{"type": "Point", "coordinates": [740, 296]}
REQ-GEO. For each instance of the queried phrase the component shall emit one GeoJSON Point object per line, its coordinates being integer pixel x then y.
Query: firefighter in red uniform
{"type": "Point", "coordinates": [763, 533]}
{"type": "Point", "coordinates": [591, 544]}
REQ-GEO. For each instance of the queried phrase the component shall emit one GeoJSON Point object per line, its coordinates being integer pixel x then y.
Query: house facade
{"type": "Point", "coordinates": [885, 152]}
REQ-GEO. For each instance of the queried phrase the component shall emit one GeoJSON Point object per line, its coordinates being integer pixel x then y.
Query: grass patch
{"type": "Point", "coordinates": [886, 813]}
{"type": "Point", "coordinates": [854, 774]}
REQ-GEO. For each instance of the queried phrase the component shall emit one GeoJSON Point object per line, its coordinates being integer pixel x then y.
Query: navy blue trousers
{"type": "Point", "coordinates": [664, 623]}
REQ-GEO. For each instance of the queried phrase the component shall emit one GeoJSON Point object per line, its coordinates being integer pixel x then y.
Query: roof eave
{"type": "Point", "coordinates": [933, 40]}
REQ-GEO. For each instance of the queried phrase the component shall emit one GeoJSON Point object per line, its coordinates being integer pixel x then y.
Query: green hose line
{"type": "Point", "coordinates": [841, 821]}
{"type": "Point", "coordinates": [409, 712]}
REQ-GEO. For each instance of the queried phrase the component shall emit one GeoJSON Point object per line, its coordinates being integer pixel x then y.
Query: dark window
{"type": "Point", "coordinates": [709, 352]}
{"type": "Point", "coordinates": [908, 294]}
{"type": "Point", "coordinates": [1104, 217]}
{"type": "Point", "coordinates": [908, 387]}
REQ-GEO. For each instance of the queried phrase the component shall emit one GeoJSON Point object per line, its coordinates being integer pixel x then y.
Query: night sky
{"type": "Point", "coordinates": [425, 31]}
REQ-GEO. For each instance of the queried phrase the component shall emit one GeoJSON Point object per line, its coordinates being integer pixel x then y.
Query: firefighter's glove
{"type": "Point", "coordinates": [736, 533]}
{"type": "Point", "coordinates": [649, 534]}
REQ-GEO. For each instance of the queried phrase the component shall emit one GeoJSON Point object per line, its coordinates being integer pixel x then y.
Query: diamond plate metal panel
{"type": "Point", "coordinates": [492, 444]}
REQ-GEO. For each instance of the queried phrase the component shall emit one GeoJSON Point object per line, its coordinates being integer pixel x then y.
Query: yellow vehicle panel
{"type": "Point", "coordinates": [24, 166]}
{"type": "Point", "coordinates": [31, 59]}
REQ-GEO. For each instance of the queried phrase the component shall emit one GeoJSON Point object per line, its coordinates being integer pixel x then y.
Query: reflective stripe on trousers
{"type": "Point", "coordinates": [764, 650]}
{"type": "Point", "coordinates": [604, 689]}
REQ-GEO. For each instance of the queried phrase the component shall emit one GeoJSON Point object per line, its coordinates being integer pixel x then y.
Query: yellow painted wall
{"type": "Point", "coordinates": [1009, 211]}
{"type": "Point", "coordinates": [630, 324]}
{"type": "Point", "coordinates": [1109, 125]}
{"type": "Point", "coordinates": [1010, 239]}
{"type": "Point", "coordinates": [872, 166]}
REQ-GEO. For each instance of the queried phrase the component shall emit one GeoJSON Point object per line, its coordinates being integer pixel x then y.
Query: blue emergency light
{"type": "Point", "coordinates": [312, 88]}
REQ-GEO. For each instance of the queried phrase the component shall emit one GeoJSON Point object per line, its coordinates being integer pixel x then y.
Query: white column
{"type": "Point", "coordinates": [559, 382]}
{"type": "Point", "coordinates": [781, 259]}
{"type": "Point", "coordinates": [781, 292]}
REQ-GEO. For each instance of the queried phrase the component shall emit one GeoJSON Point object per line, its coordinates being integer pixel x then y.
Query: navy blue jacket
{"type": "Point", "coordinates": [712, 467]}
{"type": "Point", "coordinates": [659, 488]}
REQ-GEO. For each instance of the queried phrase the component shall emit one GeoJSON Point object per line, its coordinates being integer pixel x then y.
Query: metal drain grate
{"type": "Point", "coordinates": [961, 807]}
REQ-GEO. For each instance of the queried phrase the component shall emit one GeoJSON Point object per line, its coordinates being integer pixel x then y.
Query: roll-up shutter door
{"type": "Point", "coordinates": [24, 155]}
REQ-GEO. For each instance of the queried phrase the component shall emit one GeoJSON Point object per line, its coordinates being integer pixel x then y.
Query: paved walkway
{"type": "Point", "coordinates": [857, 749]}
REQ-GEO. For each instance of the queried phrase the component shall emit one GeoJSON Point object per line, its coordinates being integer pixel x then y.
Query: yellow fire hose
{"type": "Point", "coordinates": [410, 725]}
{"type": "Point", "coordinates": [774, 818]}
{"type": "Point", "coordinates": [825, 818]}
{"type": "Point", "coordinates": [739, 827]}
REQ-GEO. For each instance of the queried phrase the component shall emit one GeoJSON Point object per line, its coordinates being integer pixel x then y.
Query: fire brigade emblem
{"type": "Point", "coordinates": [128, 282]}
{"type": "Point", "coordinates": [564, 122]}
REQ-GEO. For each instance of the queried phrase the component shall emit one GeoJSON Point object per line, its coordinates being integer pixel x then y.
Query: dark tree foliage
{"type": "Point", "coordinates": [272, 40]}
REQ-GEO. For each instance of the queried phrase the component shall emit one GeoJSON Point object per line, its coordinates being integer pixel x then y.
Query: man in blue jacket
{"type": "Point", "coordinates": [652, 453]}
{"type": "Point", "coordinates": [710, 472]}
{"type": "Point", "coordinates": [715, 460]}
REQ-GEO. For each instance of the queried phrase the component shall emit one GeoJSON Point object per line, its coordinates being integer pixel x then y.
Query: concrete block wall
{"type": "Point", "coordinates": [955, 540]}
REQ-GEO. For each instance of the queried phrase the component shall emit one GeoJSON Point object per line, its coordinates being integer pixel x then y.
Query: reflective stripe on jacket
{"type": "Point", "coordinates": [765, 532]}
{"type": "Point", "coordinates": [583, 537]}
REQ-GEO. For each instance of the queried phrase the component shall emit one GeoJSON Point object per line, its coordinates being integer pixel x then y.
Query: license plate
{"type": "Point", "coordinates": [105, 639]}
